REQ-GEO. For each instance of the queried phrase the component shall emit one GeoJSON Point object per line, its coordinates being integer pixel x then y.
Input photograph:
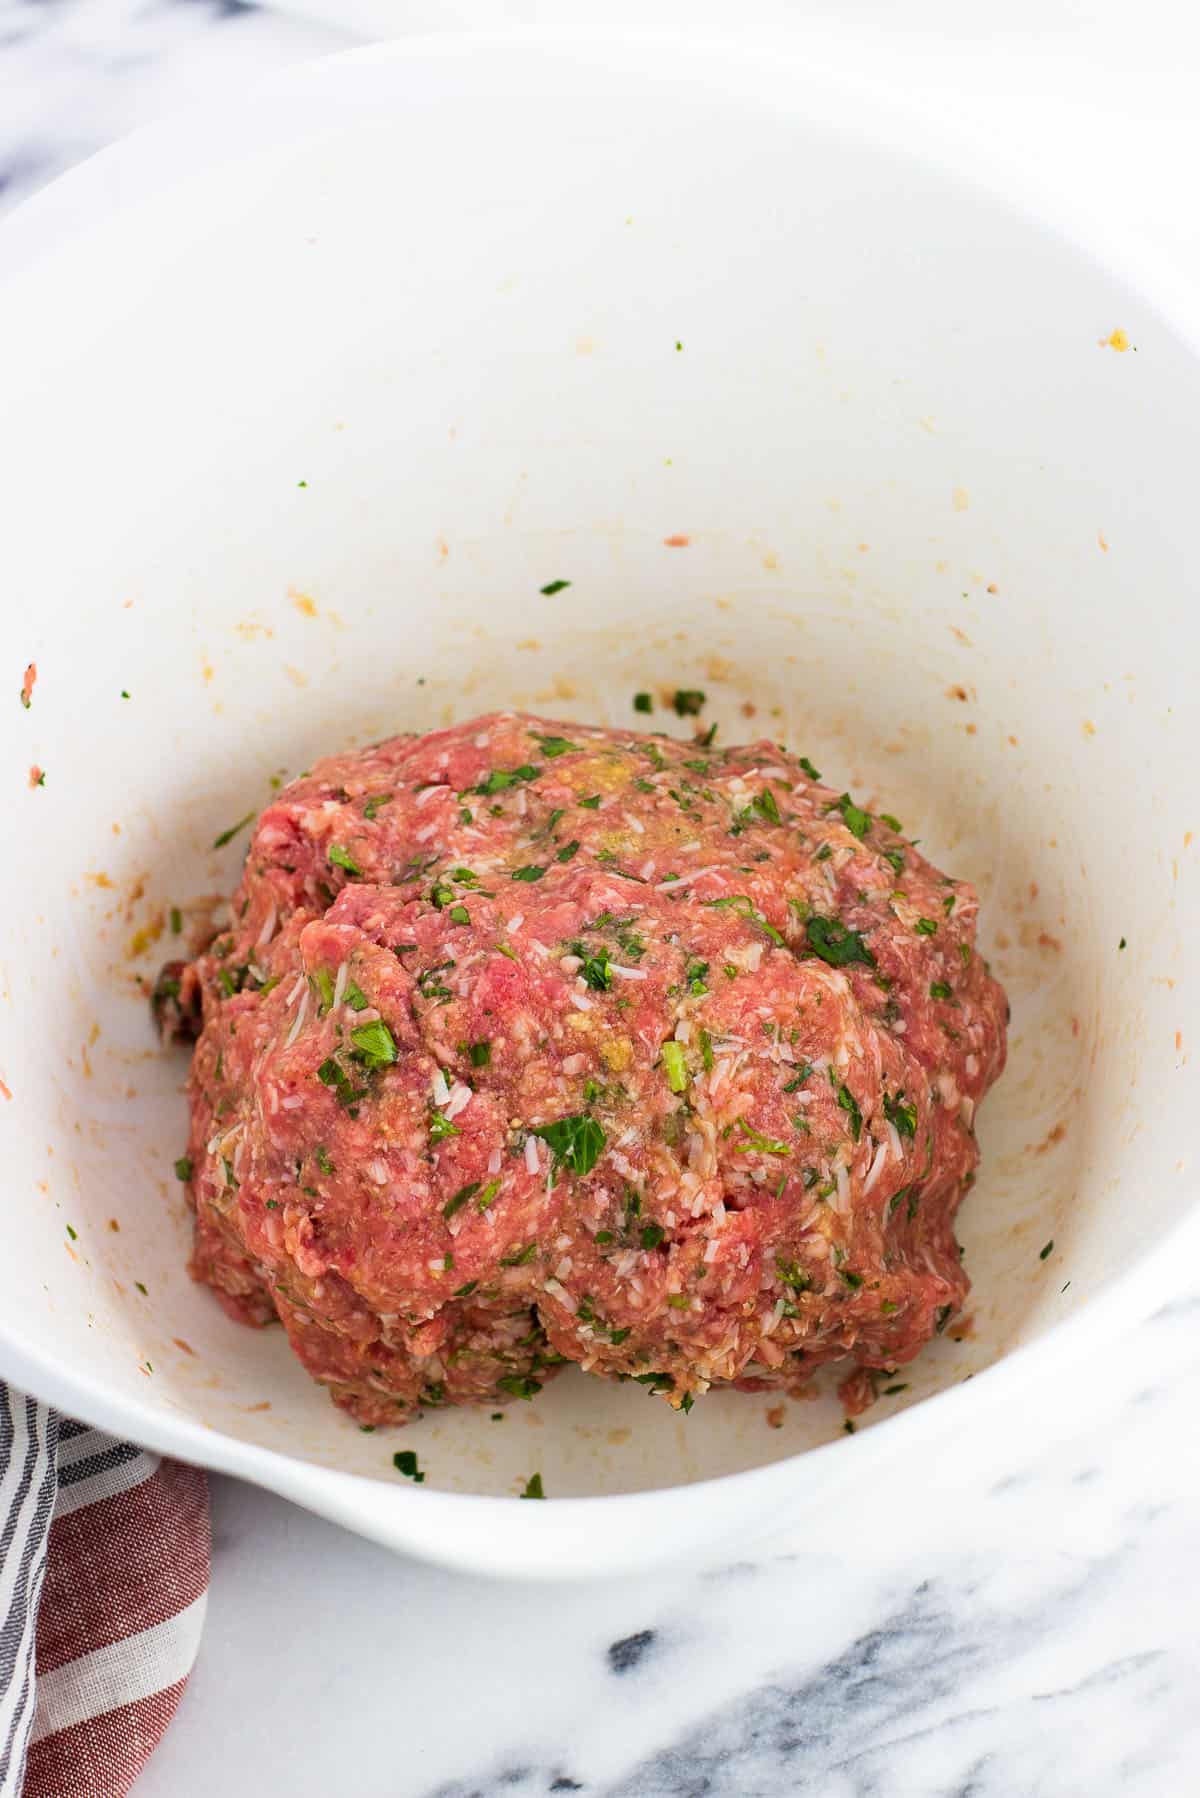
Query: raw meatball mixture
{"type": "Point", "coordinates": [532, 1043]}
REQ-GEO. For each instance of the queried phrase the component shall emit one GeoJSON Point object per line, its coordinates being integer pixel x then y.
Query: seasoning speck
{"type": "Point", "coordinates": [1044, 1252]}
{"type": "Point", "coordinates": [553, 587]}
{"type": "Point", "coordinates": [533, 1487]}
{"type": "Point", "coordinates": [405, 1462]}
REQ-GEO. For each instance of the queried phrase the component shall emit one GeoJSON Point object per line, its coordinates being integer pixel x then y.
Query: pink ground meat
{"type": "Point", "coordinates": [533, 1043]}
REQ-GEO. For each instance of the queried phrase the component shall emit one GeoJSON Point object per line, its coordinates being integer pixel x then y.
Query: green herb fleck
{"type": "Point", "coordinates": [765, 1145]}
{"type": "Point", "coordinates": [741, 902]}
{"type": "Point", "coordinates": [1044, 1252]}
{"type": "Point", "coordinates": [533, 1487]}
{"type": "Point", "coordinates": [530, 872]}
{"type": "Point", "coordinates": [642, 702]}
{"type": "Point", "coordinates": [813, 773]}
{"type": "Point", "coordinates": [568, 851]}
{"type": "Point", "coordinates": [553, 587]}
{"type": "Point", "coordinates": [576, 1141]}
{"type": "Point", "coordinates": [227, 836]}
{"type": "Point", "coordinates": [342, 858]}
{"type": "Point", "coordinates": [183, 1168]}
{"type": "Point", "coordinates": [903, 1116]}
{"type": "Point", "coordinates": [651, 1235]}
{"type": "Point", "coordinates": [688, 701]}
{"type": "Point", "coordinates": [847, 1103]}
{"type": "Point", "coordinates": [440, 1127]}
{"type": "Point", "coordinates": [460, 1198]}
{"type": "Point", "coordinates": [938, 989]}
{"type": "Point", "coordinates": [374, 1044]}
{"type": "Point", "coordinates": [926, 927]}
{"type": "Point", "coordinates": [176, 920]}
{"type": "Point", "coordinates": [676, 1068]}
{"type": "Point", "coordinates": [836, 943]}
{"type": "Point", "coordinates": [856, 820]}
{"type": "Point", "coordinates": [405, 1462]}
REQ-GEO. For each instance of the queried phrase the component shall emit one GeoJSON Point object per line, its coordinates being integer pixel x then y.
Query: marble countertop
{"type": "Point", "coordinates": [1031, 1633]}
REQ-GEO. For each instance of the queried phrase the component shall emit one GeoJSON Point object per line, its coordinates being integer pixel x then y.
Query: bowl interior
{"type": "Point", "coordinates": [804, 420]}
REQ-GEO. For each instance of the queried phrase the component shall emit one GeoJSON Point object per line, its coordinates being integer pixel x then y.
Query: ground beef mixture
{"type": "Point", "coordinates": [532, 1043]}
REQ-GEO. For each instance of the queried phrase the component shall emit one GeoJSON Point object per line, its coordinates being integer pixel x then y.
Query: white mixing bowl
{"type": "Point", "coordinates": [307, 408]}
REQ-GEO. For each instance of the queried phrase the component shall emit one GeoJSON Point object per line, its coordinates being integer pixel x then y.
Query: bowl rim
{"type": "Point", "coordinates": [129, 172]}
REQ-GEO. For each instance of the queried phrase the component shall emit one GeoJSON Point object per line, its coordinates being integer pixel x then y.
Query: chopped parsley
{"type": "Point", "coordinates": [487, 1195]}
{"type": "Point", "coordinates": [440, 1127]}
{"type": "Point", "coordinates": [460, 1198]}
{"type": "Point", "coordinates": [903, 1116]}
{"type": "Point", "coordinates": [375, 802]}
{"type": "Point", "coordinates": [405, 1462]}
{"type": "Point", "coordinates": [500, 778]}
{"type": "Point", "coordinates": [765, 1145]}
{"type": "Point", "coordinates": [480, 1054]}
{"type": "Point", "coordinates": [374, 1044]}
{"type": "Point", "coordinates": [595, 970]}
{"type": "Point", "coordinates": [938, 989]}
{"type": "Point", "coordinates": [176, 920]}
{"type": "Point", "coordinates": [533, 1485]}
{"type": "Point", "coordinates": [706, 1050]}
{"type": "Point", "coordinates": [520, 1385]}
{"type": "Point", "coordinates": [227, 836]}
{"type": "Point", "coordinates": [591, 804]}
{"type": "Point", "coordinates": [459, 914]}
{"type": "Point", "coordinates": [332, 1074]}
{"type": "Point", "coordinates": [651, 1235]}
{"type": "Point", "coordinates": [354, 996]}
{"type": "Point", "coordinates": [688, 701]}
{"type": "Point", "coordinates": [553, 587]}
{"type": "Point", "coordinates": [766, 806]}
{"type": "Point", "coordinates": [926, 927]}
{"type": "Point", "coordinates": [520, 1258]}
{"type": "Point", "coordinates": [855, 819]}
{"type": "Point", "coordinates": [892, 823]}
{"type": "Point", "coordinates": [676, 1068]}
{"type": "Point", "coordinates": [577, 1141]}
{"type": "Point", "coordinates": [568, 851]}
{"type": "Point", "coordinates": [530, 872]}
{"type": "Point", "coordinates": [183, 1168]}
{"type": "Point", "coordinates": [1044, 1252]}
{"type": "Point", "coordinates": [847, 1103]}
{"type": "Point", "coordinates": [836, 943]}
{"type": "Point", "coordinates": [342, 858]}
{"type": "Point", "coordinates": [323, 1161]}
{"type": "Point", "coordinates": [642, 702]}
{"type": "Point", "coordinates": [813, 773]}
{"type": "Point", "coordinates": [1121, 944]}
{"type": "Point", "coordinates": [741, 902]}
{"type": "Point", "coordinates": [552, 746]}
{"type": "Point", "coordinates": [322, 985]}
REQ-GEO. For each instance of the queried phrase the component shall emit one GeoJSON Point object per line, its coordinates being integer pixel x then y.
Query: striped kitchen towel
{"type": "Point", "coordinates": [104, 1564]}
